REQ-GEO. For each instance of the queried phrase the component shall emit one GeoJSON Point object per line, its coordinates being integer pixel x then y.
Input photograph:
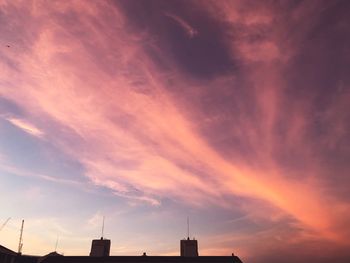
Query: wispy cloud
{"type": "Point", "coordinates": [26, 126]}
{"type": "Point", "coordinates": [190, 31]}
{"type": "Point", "coordinates": [13, 169]}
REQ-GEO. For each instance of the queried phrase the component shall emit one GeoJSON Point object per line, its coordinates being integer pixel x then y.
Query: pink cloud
{"type": "Point", "coordinates": [88, 80]}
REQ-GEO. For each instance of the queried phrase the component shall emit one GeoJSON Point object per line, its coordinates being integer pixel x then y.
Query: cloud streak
{"type": "Point", "coordinates": [190, 31]}
{"type": "Point", "coordinates": [27, 127]}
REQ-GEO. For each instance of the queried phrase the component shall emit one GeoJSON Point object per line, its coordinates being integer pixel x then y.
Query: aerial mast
{"type": "Point", "coordinates": [20, 244]}
{"type": "Point", "coordinates": [103, 226]}
{"type": "Point", "coordinates": [188, 227]}
{"type": "Point", "coordinates": [56, 244]}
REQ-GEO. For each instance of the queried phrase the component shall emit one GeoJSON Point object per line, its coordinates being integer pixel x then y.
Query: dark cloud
{"type": "Point", "coordinates": [322, 54]}
{"type": "Point", "coordinates": [317, 76]}
{"type": "Point", "coordinates": [203, 55]}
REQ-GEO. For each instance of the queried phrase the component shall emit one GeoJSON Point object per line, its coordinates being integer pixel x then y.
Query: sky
{"type": "Point", "coordinates": [233, 113]}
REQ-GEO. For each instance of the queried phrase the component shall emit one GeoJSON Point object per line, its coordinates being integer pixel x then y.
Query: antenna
{"type": "Point", "coordinates": [56, 244]}
{"type": "Point", "coordinates": [20, 244]}
{"type": "Point", "coordinates": [188, 227]}
{"type": "Point", "coordinates": [103, 226]}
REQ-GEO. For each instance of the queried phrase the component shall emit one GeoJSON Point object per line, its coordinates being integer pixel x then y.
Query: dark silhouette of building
{"type": "Point", "coordinates": [100, 254]}
{"type": "Point", "coordinates": [7, 255]}
{"type": "Point", "coordinates": [142, 259]}
{"type": "Point", "coordinates": [100, 247]}
{"type": "Point", "coordinates": [188, 248]}
{"type": "Point", "coordinates": [52, 254]}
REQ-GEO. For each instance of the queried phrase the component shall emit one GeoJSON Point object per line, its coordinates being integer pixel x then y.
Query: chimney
{"type": "Point", "coordinates": [189, 248]}
{"type": "Point", "coordinates": [100, 247]}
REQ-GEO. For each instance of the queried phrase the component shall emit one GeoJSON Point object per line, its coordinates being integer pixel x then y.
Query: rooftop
{"type": "Point", "coordinates": [142, 259]}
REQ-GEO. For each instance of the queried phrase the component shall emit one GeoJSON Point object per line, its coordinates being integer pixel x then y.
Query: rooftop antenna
{"type": "Point", "coordinates": [20, 244]}
{"type": "Point", "coordinates": [103, 226]}
{"type": "Point", "coordinates": [188, 227]}
{"type": "Point", "coordinates": [56, 244]}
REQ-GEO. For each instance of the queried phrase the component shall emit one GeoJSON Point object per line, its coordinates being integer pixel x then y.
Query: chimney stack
{"type": "Point", "coordinates": [189, 248]}
{"type": "Point", "coordinates": [100, 247]}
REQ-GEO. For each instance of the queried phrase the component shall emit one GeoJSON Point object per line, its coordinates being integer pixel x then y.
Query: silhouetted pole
{"type": "Point", "coordinates": [56, 244]}
{"type": "Point", "coordinates": [20, 245]}
{"type": "Point", "coordinates": [188, 227]}
{"type": "Point", "coordinates": [103, 227]}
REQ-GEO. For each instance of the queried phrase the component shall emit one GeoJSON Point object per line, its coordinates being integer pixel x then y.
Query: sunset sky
{"type": "Point", "coordinates": [234, 113]}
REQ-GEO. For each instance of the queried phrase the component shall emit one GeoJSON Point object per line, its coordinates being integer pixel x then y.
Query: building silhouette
{"type": "Point", "coordinates": [100, 250]}
{"type": "Point", "coordinates": [10, 256]}
{"type": "Point", "coordinates": [100, 247]}
{"type": "Point", "coordinates": [188, 248]}
{"type": "Point", "coordinates": [142, 259]}
{"type": "Point", "coordinates": [7, 255]}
